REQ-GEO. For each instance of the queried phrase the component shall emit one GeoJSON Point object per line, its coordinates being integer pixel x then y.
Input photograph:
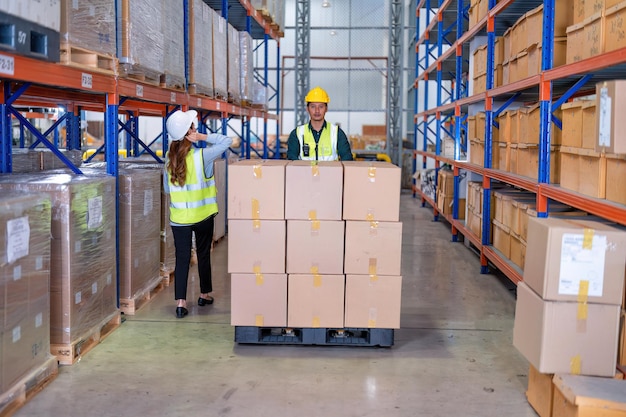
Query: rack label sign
{"type": "Point", "coordinates": [7, 65]}
{"type": "Point", "coordinates": [604, 119]}
{"type": "Point", "coordinates": [139, 90]}
{"type": "Point", "coordinates": [173, 97]}
{"type": "Point", "coordinates": [86, 80]}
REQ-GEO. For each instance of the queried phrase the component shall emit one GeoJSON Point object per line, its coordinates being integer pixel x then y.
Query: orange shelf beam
{"type": "Point", "coordinates": [460, 226]}
{"type": "Point", "coordinates": [515, 86]}
{"type": "Point", "coordinates": [595, 63]}
{"type": "Point", "coordinates": [517, 180]}
{"type": "Point", "coordinates": [502, 264]}
{"type": "Point", "coordinates": [603, 208]}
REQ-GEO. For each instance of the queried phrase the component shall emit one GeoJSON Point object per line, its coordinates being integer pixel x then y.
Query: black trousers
{"type": "Point", "coordinates": [182, 243]}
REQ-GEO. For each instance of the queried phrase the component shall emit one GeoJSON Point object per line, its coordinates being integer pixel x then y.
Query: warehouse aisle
{"type": "Point", "coordinates": [452, 357]}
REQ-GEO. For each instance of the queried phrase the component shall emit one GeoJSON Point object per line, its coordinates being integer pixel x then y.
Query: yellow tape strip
{"type": "Point", "coordinates": [369, 216]}
{"type": "Point", "coordinates": [257, 172]}
{"type": "Point", "coordinates": [312, 214]}
{"type": "Point", "coordinates": [372, 266]}
{"type": "Point", "coordinates": [315, 225]}
{"type": "Point", "coordinates": [259, 279]}
{"type": "Point", "coordinates": [371, 173]}
{"type": "Point", "coordinates": [314, 270]}
{"type": "Point", "coordinates": [371, 323]}
{"type": "Point", "coordinates": [373, 278]}
{"type": "Point", "coordinates": [581, 314]}
{"type": "Point", "coordinates": [256, 269]}
{"type": "Point", "coordinates": [575, 365]}
{"type": "Point", "coordinates": [256, 225]}
{"type": "Point", "coordinates": [583, 291]}
{"type": "Point", "coordinates": [315, 170]}
{"type": "Point", "coordinates": [317, 280]}
{"type": "Point", "coordinates": [256, 209]}
{"type": "Point", "coordinates": [315, 322]}
{"type": "Point", "coordinates": [588, 239]}
{"type": "Point", "coordinates": [373, 315]}
{"type": "Point", "coordinates": [258, 320]}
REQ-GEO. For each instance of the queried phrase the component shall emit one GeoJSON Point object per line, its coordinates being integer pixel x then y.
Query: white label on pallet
{"type": "Point", "coordinates": [217, 105]}
{"type": "Point", "coordinates": [16, 334]}
{"type": "Point", "coordinates": [109, 278]}
{"type": "Point", "coordinates": [173, 97]}
{"type": "Point", "coordinates": [581, 261]}
{"type": "Point", "coordinates": [17, 272]}
{"type": "Point", "coordinates": [7, 65]}
{"type": "Point", "coordinates": [18, 238]}
{"type": "Point", "coordinates": [139, 90]}
{"type": "Point", "coordinates": [39, 320]}
{"type": "Point", "coordinates": [78, 297]}
{"type": "Point", "coordinates": [199, 102]}
{"type": "Point", "coordinates": [86, 80]}
{"type": "Point", "coordinates": [94, 212]}
{"type": "Point", "coordinates": [604, 120]}
{"type": "Point", "coordinates": [94, 288]}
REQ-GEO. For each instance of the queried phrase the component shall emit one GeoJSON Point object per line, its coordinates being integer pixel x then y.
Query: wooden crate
{"type": "Point", "coordinates": [506, 45]}
{"type": "Point", "coordinates": [616, 178]}
{"type": "Point", "coordinates": [513, 152]}
{"type": "Point", "coordinates": [480, 83]}
{"type": "Point", "coordinates": [528, 162]}
{"type": "Point", "coordinates": [569, 168]}
{"type": "Point", "coordinates": [480, 60]}
{"type": "Point", "coordinates": [540, 393]}
{"type": "Point", "coordinates": [594, 36]}
{"type": "Point", "coordinates": [471, 128]}
{"type": "Point", "coordinates": [615, 27]}
{"type": "Point", "coordinates": [501, 238]}
{"type": "Point", "coordinates": [529, 118]}
{"type": "Point", "coordinates": [589, 125]}
{"type": "Point", "coordinates": [504, 156]}
{"type": "Point", "coordinates": [513, 70]}
{"type": "Point", "coordinates": [563, 17]}
{"type": "Point", "coordinates": [592, 7]}
{"type": "Point", "coordinates": [519, 36]}
{"type": "Point", "coordinates": [506, 73]}
{"type": "Point", "coordinates": [587, 396]}
{"type": "Point", "coordinates": [575, 40]}
{"type": "Point", "coordinates": [592, 171]}
{"type": "Point", "coordinates": [534, 55]}
{"type": "Point", "coordinates": [572, 122]}
{"type": "Point", "coordinates": [522, 65]}
{"type": "Point", "coordinates": [518, 250]}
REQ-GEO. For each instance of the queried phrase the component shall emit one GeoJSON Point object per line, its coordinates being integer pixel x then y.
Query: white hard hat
{"type": "Point", "coordinates": [179, 123]}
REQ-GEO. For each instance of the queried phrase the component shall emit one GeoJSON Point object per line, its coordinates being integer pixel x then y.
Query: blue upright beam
{"type": "Point", "coordinates": [545, 104]}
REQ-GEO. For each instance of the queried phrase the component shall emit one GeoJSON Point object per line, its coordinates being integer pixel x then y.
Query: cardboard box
{"type": "Point", "coordinates": [315, 300]}
{"type": "Point", "coordinates": [590, 130]}
{"type": "Point", "coordinates": [315, 246]}
{"type": "Point", "coordinates": [371, 191]}
{"type": "Point", "coordinates": [610, 97]}
{"type": "Point", "coordinates": [502, 238]}
{"type": "Point", "coordinates": [563, 255]}
{"type": "Point", "coordinates": [373, 248]}
{"type": "Point", "coordinates": [256, 189]}
{"type": "Point", "coordinates": [616, 178]}
{"type": "Point", "coordinates": [256, 246]}
{"type": "Point", "coordinates": [540, 392]}
{"type": "Point", "coordinates": [621, 352]}
{"type": "Point", "coordinates": [615, 28]}
{"type": "Point", "coordinates": [258, 300]}
{"type": "Point", "coordinates": [584, 396]}
{"type": "Point", "coordinates": [313, 191]}
{"type": "Point", "coordinates": [373, 302]}
{"type": "Point", "coordinates": [518, 250]}
{"type": "Point", "coordinates": [554, 340]}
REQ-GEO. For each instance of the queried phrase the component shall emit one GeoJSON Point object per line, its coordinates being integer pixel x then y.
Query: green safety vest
{"type": "Point", "coordinates": [327, 146]}
{"type": "Point", "coordinates": [197, 199]}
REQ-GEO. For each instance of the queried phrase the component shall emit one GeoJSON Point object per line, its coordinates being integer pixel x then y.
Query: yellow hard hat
{"type": "Point", "coordinates": [317, 95]}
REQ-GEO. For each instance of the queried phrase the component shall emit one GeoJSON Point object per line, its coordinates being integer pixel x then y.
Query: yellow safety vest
{"type": "Point", "coordinates": [327, 146]}
{"type": "Point", "coordinates": [197, 199]}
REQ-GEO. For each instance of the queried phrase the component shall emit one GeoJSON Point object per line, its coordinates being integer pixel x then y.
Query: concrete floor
{"type": "Point", "coordinates": [452, 357]}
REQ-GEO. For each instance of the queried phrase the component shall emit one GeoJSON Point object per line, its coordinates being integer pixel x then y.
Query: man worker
{"type": "Point", "coordinates": [318, 140]}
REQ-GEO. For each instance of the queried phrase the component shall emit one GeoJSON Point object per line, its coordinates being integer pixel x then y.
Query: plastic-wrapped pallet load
{"type": "Point", "coordinates": [234, 66]}
{"type": "Point", "coordinates": [200, 48]}
{"type": "Point", "coordinates": [142, 38]}
{"type": "Point", "coordinates": [25, 221]}
{"type": "Point", "coordinates": [246, 68]}
{"type": "Point", "coordinates": [83, 284]}
{"type": "Point", "coordinates": [220, 55]}
{"type": "Point", "coordinates": [88, 24]}
{"type": "Point", "coordinates": [173, 45]}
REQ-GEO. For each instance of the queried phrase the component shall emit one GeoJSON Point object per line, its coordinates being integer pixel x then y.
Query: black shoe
{"type": "Point", "coordinates": [181, 312]}
{"type": "Point", "coordinates": [204, 301]}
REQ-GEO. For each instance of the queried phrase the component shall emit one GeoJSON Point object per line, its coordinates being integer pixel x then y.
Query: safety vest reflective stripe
{"type": "Point", "coordinates": [197, 199]}
{"type": "Point", "coordinates": [327, 146]}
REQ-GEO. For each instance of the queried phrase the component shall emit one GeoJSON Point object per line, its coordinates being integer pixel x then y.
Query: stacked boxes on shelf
{"type": "Point", "coordinates": [594, 153]}
{"type": "Point", "coordinates": [568, 306]}
{"type": "Point", "coordinates": [24, 285]}
{"type": "Point", "coordinates": [83, 284]}
{"type": "Point", "coordinates": [200, 50]}
{"type": "Point", "coordinates": [314, 245]}
{"type": "Point", "coordinates": [598, 27]}
{"type": "Point", "coordinates": [234, 65]}
{"type": "Point", "coordinates": [246, 68]}
{"type": "Point", "coordinates": [445, 194]}
{"type": "Point", "coordinates": [220, 50]}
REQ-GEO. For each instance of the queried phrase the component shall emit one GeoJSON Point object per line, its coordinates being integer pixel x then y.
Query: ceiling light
{"type": "Point", "coordinates": [333, 32]}
{"type": "Point", "coordinates": [325, 4]}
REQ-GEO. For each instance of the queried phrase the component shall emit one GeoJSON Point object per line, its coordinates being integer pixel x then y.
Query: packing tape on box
{"type": "Point", "coordinates": [256, 268]}
{"type": "Point", "coordinates": [575, 365]}
{"type": "Point", "coordinates": [371, 174]}
{"type": "Point", "coordinates": [315, 322]}
{"type": "Point", "coordinates": [317, 280]}
{"type": "Point", "coordinates": [588, 239]}
{"type": "Point", "coordinates": [258, 279]}
{"type": "Point", "coordinates": [256, 209]}
{"type": "Point", "coordinates": [370, 215]}
{"type": "Point", "coordinates": [373, 315]}
{"type": "Point", "coordinates": [312, 214]}
{"type": "Point", "coordinates": [258, 320]}
{"type": "Point", "coordinates": [583, 295]}
{"type": "Point", "coordinates": [257, 172]}
{"type": "Point", "coordinates": [373, 228]}
{"type": "Point", "coordinates": [256, 225]}
{"type": "Point", "coordinates": [315, 169]}
{"type": "Point", "coordinates": [373, 278]}
{"type": "Point", "coordinates": [315, 226]}
{"type": "Point", "coordinates": [372, 266]}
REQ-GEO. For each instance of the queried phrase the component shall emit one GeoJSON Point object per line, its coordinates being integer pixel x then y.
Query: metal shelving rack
{"type": "Point", "coordinates": [27, 81]}
{"type": "Point", "coordinates": [552, 87]}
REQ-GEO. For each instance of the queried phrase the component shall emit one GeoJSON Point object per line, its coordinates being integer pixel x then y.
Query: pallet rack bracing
{"type": "Point", "coordinates": [446, 23]}
{"type": "Point", "coordinates": [27, 81]}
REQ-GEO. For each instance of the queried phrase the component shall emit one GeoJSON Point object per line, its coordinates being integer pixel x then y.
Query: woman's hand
{"type": "Point", "coordinates": [194, 137]}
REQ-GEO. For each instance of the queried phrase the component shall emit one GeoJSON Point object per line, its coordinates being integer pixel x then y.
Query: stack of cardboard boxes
{"type": "Point", "coordinates": [314, 245]}
{"type": "Point", "coordinates": [568, 305]}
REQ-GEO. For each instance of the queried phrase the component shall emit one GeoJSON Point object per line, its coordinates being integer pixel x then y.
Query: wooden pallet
{"type": "Point", "coordinates": [314, 336]}
{"type": "Point", "coordinates": [172, 82]}
{"type": "Point", "coordinates": [139, 73]}
{"type": "Point", "coordinates": [131, 305]}
{"type": "Point", "coordinates": [75, 56]}
{"type": "Point", "coordinates": [168, 277]}
{"type": "Point", "coordinates": [70, 353]}
{"type": "Point", "coordinates": [200, 90]}
{"type": "Point", "coordinates": [15, 397]}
